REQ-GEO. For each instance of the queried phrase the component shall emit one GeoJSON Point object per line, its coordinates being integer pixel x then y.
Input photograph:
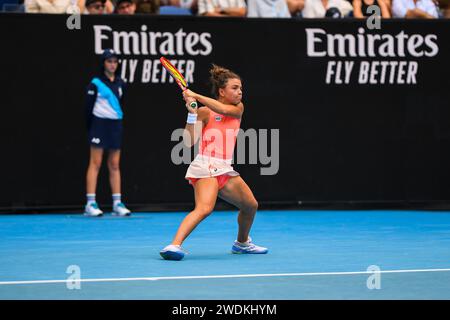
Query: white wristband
{"type": "Point", "coordinates": [191, 118]}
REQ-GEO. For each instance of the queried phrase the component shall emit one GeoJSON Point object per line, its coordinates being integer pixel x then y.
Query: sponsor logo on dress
{"type": "Point", "coordinates": [95, 140]}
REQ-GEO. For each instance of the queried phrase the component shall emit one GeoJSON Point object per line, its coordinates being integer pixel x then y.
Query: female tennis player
{"type": "Point", "coordinates": [211, 173]}
{"type": "Point", "coordinates": [104, 118]}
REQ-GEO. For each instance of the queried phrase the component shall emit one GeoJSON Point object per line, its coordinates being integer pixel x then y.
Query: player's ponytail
{"type": "Point", "coordinates": [219, 77]}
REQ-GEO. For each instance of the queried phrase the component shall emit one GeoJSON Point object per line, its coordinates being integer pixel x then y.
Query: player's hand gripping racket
{"type": "Point", "coordinates": [177, 76]}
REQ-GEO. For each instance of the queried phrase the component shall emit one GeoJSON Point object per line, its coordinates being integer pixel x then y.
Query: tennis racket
{"type": "Point", "coordinates": [177, 76]}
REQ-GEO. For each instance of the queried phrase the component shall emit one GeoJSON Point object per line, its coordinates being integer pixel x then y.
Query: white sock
{"type": "Point", "coordinates": [116, 198]}
{"type": "Point", "coordinates": [90, 198]}
{"type": "Point", "coordinates": [246, 243]}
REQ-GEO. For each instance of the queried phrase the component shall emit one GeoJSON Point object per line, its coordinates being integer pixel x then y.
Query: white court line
{"type": "Point", "coordinates": [228, 276]}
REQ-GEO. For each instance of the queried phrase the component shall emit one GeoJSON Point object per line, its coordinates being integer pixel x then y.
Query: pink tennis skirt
{"type": "Point", "coordinates": [208, 167]}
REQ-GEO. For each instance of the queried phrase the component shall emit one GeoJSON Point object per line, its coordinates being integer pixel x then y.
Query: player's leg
{"type": "Point", "coordinates": [205, 191]}
{"type": "Point", "coordinates": [238, 193]}
{"type": "Point", "coordinates": [115, 183]}
{"type": "Point", "coordinates": [95, 162]}
{"type": "Point", "coordinates": [114, 170]}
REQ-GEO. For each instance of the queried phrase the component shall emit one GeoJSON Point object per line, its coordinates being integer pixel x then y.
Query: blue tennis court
{"type": "Point", "coordinates": [313, 255]}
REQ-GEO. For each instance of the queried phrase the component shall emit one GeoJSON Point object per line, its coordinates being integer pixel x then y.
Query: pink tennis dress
{"type": "Point", "coordinates": [216, 150]}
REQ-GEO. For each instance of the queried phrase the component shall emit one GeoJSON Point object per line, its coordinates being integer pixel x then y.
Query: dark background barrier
{"type": "Point", "coordinates": [339, 143]}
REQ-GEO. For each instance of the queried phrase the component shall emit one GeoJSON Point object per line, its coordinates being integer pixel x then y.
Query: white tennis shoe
{"type": "Point", "coordinates": [120, 210]}
{"type": "Point", "coordinates": [172, 252]}
{"type": "Point", "coordinates": [248, 247]}
{"type": "Point", "coordinates": [92, 210]}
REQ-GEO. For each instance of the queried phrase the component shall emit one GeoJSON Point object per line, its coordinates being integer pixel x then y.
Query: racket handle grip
{"type": "Point", "coordinates": [193, 104]}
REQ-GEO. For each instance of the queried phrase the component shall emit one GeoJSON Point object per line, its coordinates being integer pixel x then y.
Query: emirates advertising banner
{"type": "Point", "coordinates": [335, 110]}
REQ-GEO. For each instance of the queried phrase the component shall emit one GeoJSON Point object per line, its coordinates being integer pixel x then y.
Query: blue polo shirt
{"type": "Point", "coordinates": [104, 98]}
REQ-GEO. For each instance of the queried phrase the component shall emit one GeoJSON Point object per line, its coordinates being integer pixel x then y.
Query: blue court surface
{"type": "Point", "coordinates": [313, 255]}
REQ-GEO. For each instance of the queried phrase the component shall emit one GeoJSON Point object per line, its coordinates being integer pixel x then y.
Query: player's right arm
{"type": "Point", "coordinates": [192, 132]}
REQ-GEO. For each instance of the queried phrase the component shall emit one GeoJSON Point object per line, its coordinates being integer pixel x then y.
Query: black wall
{"type": "Point", "coordinates": [338, 142]}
